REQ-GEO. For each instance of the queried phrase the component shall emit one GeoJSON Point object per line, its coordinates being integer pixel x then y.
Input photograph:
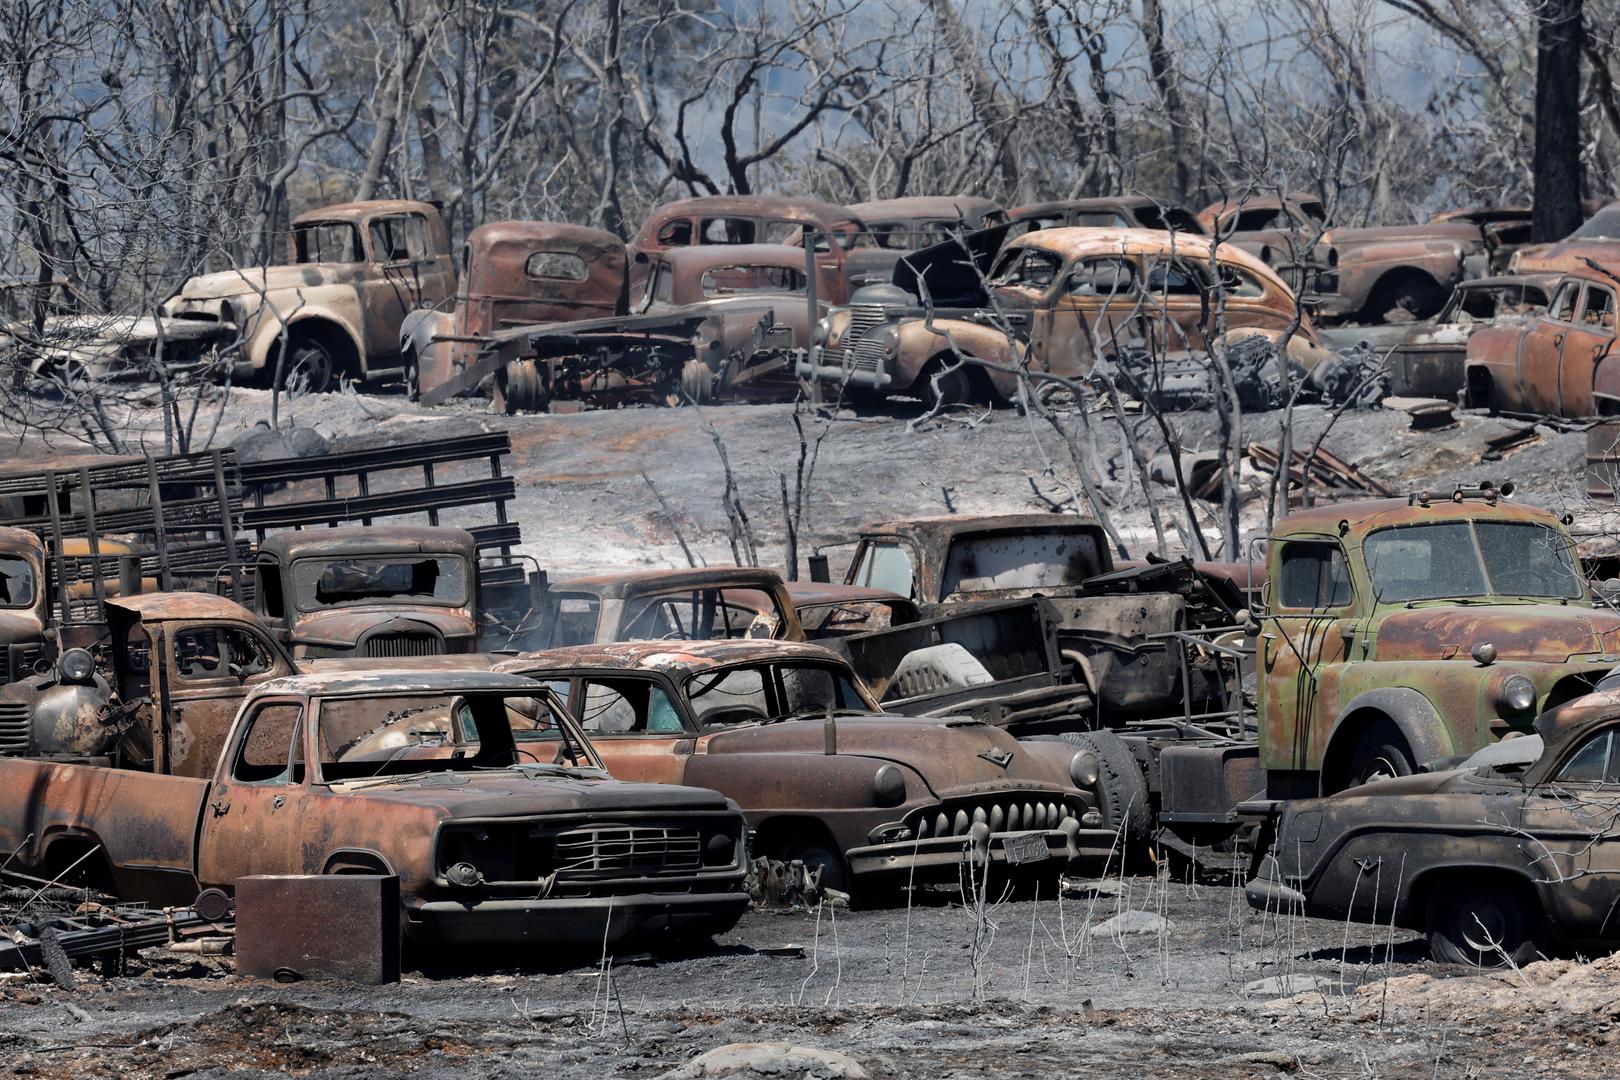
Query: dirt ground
{"type": "Point", "coordinates": [1215, 990]}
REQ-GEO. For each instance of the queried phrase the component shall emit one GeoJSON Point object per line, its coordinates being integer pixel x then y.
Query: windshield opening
{"type": "Point", "coordinates": [754, 693]}
{"type": "Point", "coordinates": [696, 615]}
{"type": "Point", "coordinates": [1481, 558]}
{"type": "Point", "coordinates": [16, 582]}
{"type": "Point", "coordinates": [402, 734]}
{"type": "Point", "coordinates": [1042, 559]}
{"type": "Point", "coordinates": [414, 579]}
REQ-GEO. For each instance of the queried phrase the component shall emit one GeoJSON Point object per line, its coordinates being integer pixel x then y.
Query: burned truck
{"type": "Point", "coordinates": [360, 773]}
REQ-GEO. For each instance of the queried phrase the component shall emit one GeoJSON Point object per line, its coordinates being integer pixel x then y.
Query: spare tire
{"type": "Point", "coordinates": [1122, 793]}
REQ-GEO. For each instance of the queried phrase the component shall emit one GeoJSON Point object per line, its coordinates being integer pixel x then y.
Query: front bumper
{"type": "Point", "coordinates": [582, 920]}
{"type": "Point", "coordinates": [938, 857]}
{"type": "Point", "coordinates": [850, 370]}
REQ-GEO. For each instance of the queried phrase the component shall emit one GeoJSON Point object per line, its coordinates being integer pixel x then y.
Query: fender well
{"type": "Point", "coordinates": [1407, 709]}
{"type": "Point", "coordinates": [356, 861]}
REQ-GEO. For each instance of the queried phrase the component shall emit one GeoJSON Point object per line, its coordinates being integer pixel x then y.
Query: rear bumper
{"type": "Point", "coordinates": [939, 857]}
{"type": "Point", "coordinates": [574, 920]}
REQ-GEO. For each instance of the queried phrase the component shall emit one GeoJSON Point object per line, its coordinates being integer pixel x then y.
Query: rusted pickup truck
{"type": "Point", "coordinates": [353, 271]}
{"type": "Point", "coordinates": [360, 773]}
{"type": "Point", "coordinates": [1057, 300]}
{"type": "Point", "coordinates": [822, 774]}
{"type": "Point", "coordinates": [373, 591]}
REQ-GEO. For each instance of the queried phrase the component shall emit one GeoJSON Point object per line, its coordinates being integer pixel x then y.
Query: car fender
{"type": "Point", "coordinates": [1411, 712]}
{"type": "Point", "coordinates": [335, 304]}
{"type": "Point", "coordinates": [921, 340]}
{"type": "Point", "coordinates": [420, 333]}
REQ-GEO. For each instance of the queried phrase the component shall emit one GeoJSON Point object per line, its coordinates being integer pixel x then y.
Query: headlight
{"type": "Point", "coordinates": [1518, 694]}
{"type": "Point", "coordinates": [889, 786]}
{"type": "Point", "coordinates": [818, 333]}
{"type": "Point", "coordinates": [1083, 769]}
{"type": "Point", "coordinates": [77, 666]}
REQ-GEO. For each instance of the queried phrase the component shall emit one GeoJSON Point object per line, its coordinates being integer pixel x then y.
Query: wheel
{"type": "Point", "coordinates": [411, 376]}
{"type": "Point", "coordinates": [697, 383]}
{"type": "Point", "coordinates": [941, 384]}
{"type": "Point", "coordinates": [834, 870]}
{"type": "Point", "coordinates": [310, 366]}
{"type": "Point", "coordinates": [1484, 922]}
{"type": "Point", "coordinates": [523, 389]}
{"type": "Point", "coordinates": [1122, 794]}
{"type": "Point", "coordinates": [1380, 753]}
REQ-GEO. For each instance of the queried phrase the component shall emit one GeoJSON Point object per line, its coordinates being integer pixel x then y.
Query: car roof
{"type": "Point", "coordinates": [182, 605]}
{"type": "Point", "coordinates": [675, 657]}
{"type": "Point", "coordinates": [354, 211]}
{"type": "Point", "coordinates": [636, 582]}
{"type": "Point", "coordinates": [957, 523]}
{"type": "Point", "coordinates": [396, 680]}
{"type": "Point", "coordinates": [1076, 241]}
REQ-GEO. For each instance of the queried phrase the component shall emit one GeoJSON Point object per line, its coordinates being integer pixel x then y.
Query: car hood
{"type": "Point", "coordinates": [951, 754]}
{"type": "Point", "coordinates": [512, 793]}
{"type": "Point", "coordinates": [254, 279]}
{"type": "Point", "coordinates": [1551, 633]}
{"type": "Point", "coordinates": [1457, 231]}
{"type": "Point", "coordinates": [343, 626]}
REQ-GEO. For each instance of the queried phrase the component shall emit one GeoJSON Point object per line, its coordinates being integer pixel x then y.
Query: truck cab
{"type": "Point", "coordinates": [23, 608]}
{"type": "Point", "coordinates": [1401, 632]}
{"type": "Point", "coordinates": [369, 591]}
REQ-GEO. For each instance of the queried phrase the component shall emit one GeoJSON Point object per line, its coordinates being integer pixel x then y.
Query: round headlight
{"type": "Point", "coordinates": [1518, 694]}
{"type": "Point", "coordinates": [889, 786]}
{"type": "Point", "coordinates": [77, 666]}
{"type": "Point", "coordinates": [1083, 769]}
{"type": "Point", "coordinates": [818, 333]}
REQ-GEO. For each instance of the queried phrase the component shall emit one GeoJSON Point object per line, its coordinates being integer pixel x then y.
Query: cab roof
{"type": "Point", "coordinates": [357, 211]}
{"type": "Point", "coordinates": [637, 582]}
{"type": "Point", "coordinates": [1368, 514]}
{"type": "Point", "coordinates": [370, 540]}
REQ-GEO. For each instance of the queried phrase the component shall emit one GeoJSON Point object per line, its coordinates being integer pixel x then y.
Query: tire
{"type": "Point", "coordinates": [311, 363]}
{"type": "Point", "coordinates": [523, 389]}
{"type": "Point", "coordinates": [411, 376]}
{"type": "Point", "coordinates": [697, 383]}
{"type": "Point", "coordinates": [938, 387]}
{"type": "Point", "coordinates": [1122, 793]}
{"type": "Point", "coordinates": [1465, 915]}
{"type": "Point", "coordinates": [1380, 753]}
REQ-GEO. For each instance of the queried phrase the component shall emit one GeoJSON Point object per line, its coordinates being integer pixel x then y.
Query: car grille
{"type": "Point", "coordinates": [386, 645]}
{"type": "Point", "coordinates": [14, 727]}
{"type": "Point", "coordinates": [1327, 281]}
{"type": "Point", "coordinates": [863, 319]}
{"type": "Point", "coordinates": [607, 851]}
{"type": "Point", "coordinates": [1003, 813]}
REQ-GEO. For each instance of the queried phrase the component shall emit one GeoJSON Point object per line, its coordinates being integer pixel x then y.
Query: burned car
{"type": "Point", "coordinates": [375, 591]}
{"type": "Point", "coordinates": [1558, 364]}
{"type": "Point", "coordinates": [896, 227]}
{"type": "Point", "coordinates": [1054, 302]}
{"type": "Point", "coordinates": [430, 777]}
{"type": "Point", "coordinates": [352, 273]}
{"type": "Point", "coordinates": [1499, 859]}
{"type": "Point", "coordinates": [1597, 239]}
{"type": "Point", "coordinates": [678, 605]}
{"type": "Point", "coordinates": [1426, 358]}
{"type": "Point", "coordinates": [1118, 212]}
{"type": "Point", "coordinates": [749, 219]}
{"type": "Point", "coordinates": [821, 773]}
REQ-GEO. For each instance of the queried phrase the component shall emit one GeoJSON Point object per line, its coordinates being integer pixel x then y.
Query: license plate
{"type": "Point", "coordinates": [1025, 848]}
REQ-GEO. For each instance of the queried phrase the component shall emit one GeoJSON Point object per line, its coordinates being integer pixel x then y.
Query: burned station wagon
{"type": "Point", "coordinates": [425, 776]}
{"type": "Point", "coordinates": [1497, 859]}
{"type": "Point", "coordinates": [821, 773]}
{"type": "Point", "coordinates": [1055, 299]}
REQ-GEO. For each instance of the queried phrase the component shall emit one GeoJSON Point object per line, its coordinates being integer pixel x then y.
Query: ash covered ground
{"type": "Point", "coordinates": [1208, 988]}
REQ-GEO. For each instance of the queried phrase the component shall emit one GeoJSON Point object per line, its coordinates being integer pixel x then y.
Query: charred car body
{"type": "Point", "coordinates": [1056, 300]}
{"type": "Point", "coordinates": [893, 228]}
{"type": "Point", "coordinates": [1122, 212]}
{"type": "Point", "coordinates": [353, 271]}
{"type": "Point", "coordinates": [1498, 859]}
{"type": "Point", "coordinates": [1560, 363]}
{"type": "Point", "coordinates": [373, 591]}
{"type": "Point", "coordinates": [821, 773]}
{"type": "Point", "coordinates": [423, 776]}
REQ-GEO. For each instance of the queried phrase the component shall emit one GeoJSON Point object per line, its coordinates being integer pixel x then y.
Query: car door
{"type": "Point", "coordinates": [250, 824]}
{"type": "Point", "coordinates": [1541, 353]}
{"type": "Point", "coordinates": [635, 725]}
{"type": "Point", "coordinates": [1301, 638]}
{"type": "Point", "coordinates": [1587, 340]}
{"type": "Point", "coordinates": [208, 670]}
{"type": "Point", "coordinates": [1177, 302]}
{"type": "Point", "coordinates": [400, 275]}
{"type": "Point", "coordinates": [1084, 314]}
{"type": "Point", "coordinates": [1568, 835]}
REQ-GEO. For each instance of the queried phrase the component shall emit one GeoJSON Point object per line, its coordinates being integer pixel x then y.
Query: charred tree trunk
{"type": "Point", "coordinates": [993, 111]}
{"type": "Point", "coordinates": [1557, 165]}
{"type": "Point", "coordinates": [1164, 78]}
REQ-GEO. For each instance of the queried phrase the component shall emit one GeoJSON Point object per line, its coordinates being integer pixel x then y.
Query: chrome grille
{"type": "Point", "coordinates": [604, 851]}
{"type": "Point", "coordinates": [14, 727]}
{"type": "Point", "coordinates": [386, 645]}
{"type": "Point", "coordinates": [1003, 813]}
{"type": "Point", "coordinates": [863, 319]}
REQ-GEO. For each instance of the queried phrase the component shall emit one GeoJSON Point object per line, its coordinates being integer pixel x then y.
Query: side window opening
{"type": "Point", "coordinates": [389, 239]}
{"type": "Point", "coordinates": [1593, 763]}
{"type": "Point", "coordinates": [1314, 577]}
{"type": "Point", "coordinates": [269, 590]}
{"type": "Point", "coordinates": [724, 230]}
{"type": "Point", "coordinates": [1563, 305]}
{"type": "Point", "coordinates": [885, 565]}
{"type": "Point", "coordinates": [629, 707]}
{"type": "Point", "coordinates": [576, 621]}
{"type": "Point", "coordinates": [1598, 311]}
{"type": "Point", "coordinates": [272, 750]}
{"type": "Point", "coordinates": [677, 233]}
{"type": "Point", "coordinates": [219, 652]}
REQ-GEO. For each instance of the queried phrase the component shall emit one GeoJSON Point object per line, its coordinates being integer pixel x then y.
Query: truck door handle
{"type": "Point", "coordinates": [1558, 339]}
{"type": "Point", "coordinates": [220, 806]}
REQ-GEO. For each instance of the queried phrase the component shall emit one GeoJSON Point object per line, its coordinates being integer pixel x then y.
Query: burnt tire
{"type": "Point", "coordinates": [944, 383]}
{"type": "Point", "coordinates": [411, 376]}
{"type": "Point", "coordinates": [697, 383]}
{"type": "Point", "coordinates": [834, 870]}
{"type": "Point", "coordinates": [1380, 753]}
{"type": "Point", "coordinates": [310, 367]}
{"type": "Point", "coordinates": [1484, 922]}
{"type": "Point", "coordinates": [1122, 793]}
